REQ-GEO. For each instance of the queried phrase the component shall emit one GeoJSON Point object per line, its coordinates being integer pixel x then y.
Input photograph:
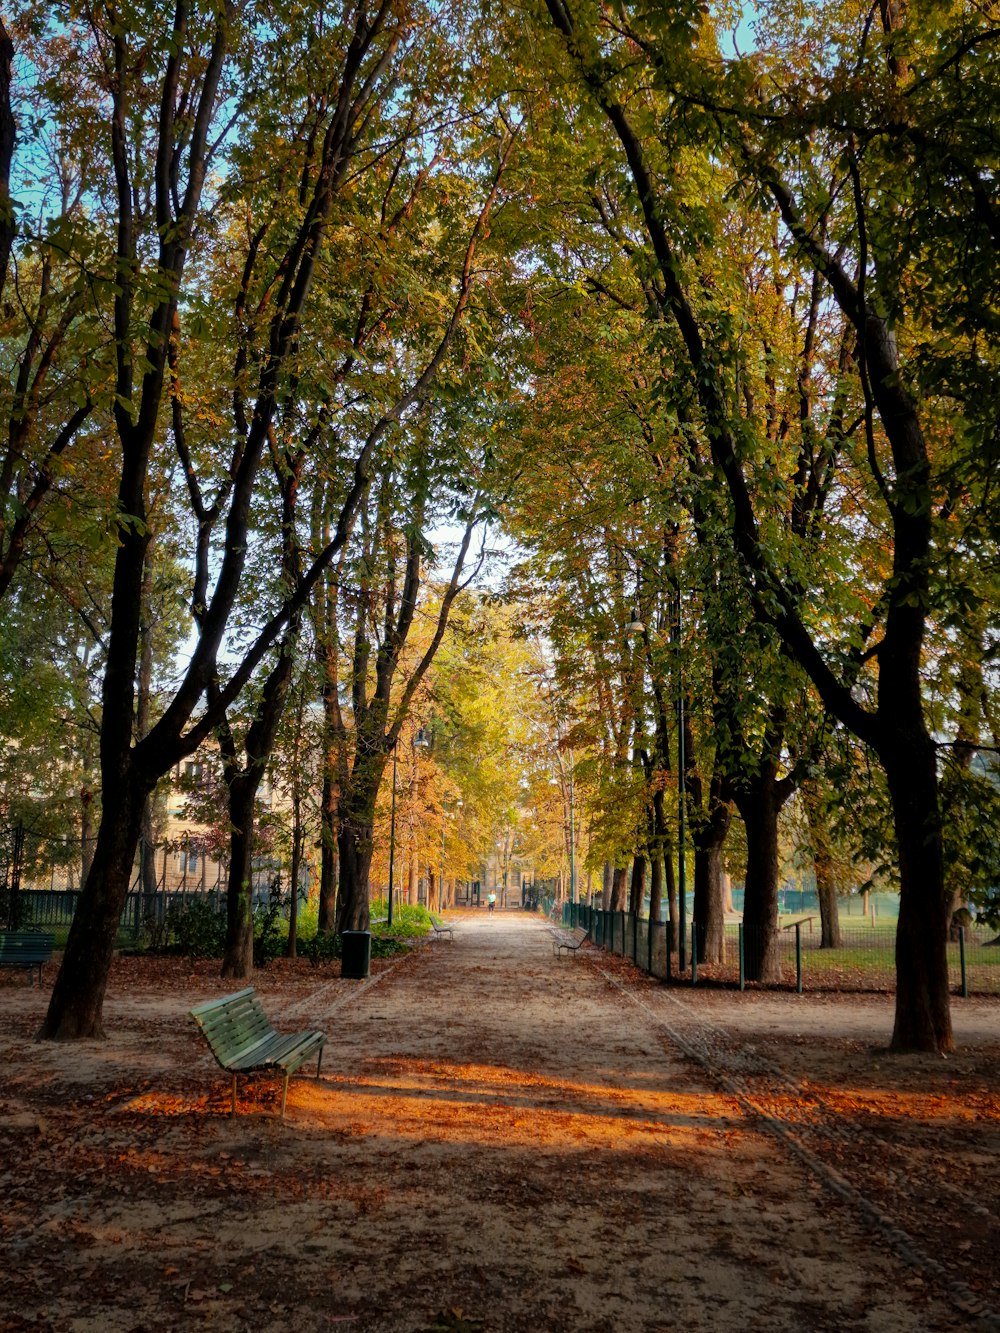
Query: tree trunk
{"type": "Point", "coordinates": [606, 886]}
{"type": "Point", "coordinates": [329, 869]}
{"type": "Point", "coordinates": [673, 906]}
{"type": "Point", "coordinates": [237, 960]}
{"type": "Point", "coordinates": [619, 881]}
{"type": "Point", "coordinates": [147, 852]}
{"type": "Point", "coordinates": [356, 841]}
{"type": "Point", "coordinates": [298, 839]}
{"type": "Point", "coordinates": [829, 906]}
{"type": "Point", "coordinates": [355, 847]}
{"type": "Point", "coordinates": [655, 888]}
{"type": "Point", "coordinates": [759, 807]}
{"type": "Point", "coordinates": [709, 915]}
{"type": "Point", "coordinates": [923, 1010]}
{"type": "Point", "coordinates": [826, 887]}
{"type": "Point", "coordinates": [657, 843]}
{"type": "Point", "coordinates": [637, 890]}
{"type": "Point", "coordinates": [708, 837]}
{"type": "Point", "coordinates": [86, 834]}
{"type": "Point", "coordinates": [77, 1002]}
{"type": "Point", "coordinates": [413, 879]}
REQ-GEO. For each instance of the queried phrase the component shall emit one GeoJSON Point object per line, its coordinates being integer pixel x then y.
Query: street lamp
{"type": "Point", "coordinates": [423, 740]}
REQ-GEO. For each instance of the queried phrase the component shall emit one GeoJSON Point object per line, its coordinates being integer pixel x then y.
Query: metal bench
{"type": "Point", "coordinates": [439, 930]}
{"type": "Point", "coordinates": [568, 939]}
{"type": "Point", "coordinates": [243, 1041]}
{"type": "Point", "coordinates": [26, 948]}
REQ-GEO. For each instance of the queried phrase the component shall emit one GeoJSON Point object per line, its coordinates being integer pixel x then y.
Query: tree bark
{"type": "Point", "coordinates": [759, 805]}
{"type": "Point", "coordinates": [607, 882]}
{"type": "Point", "coordinates": [655, 888]}
{"type": "Point", "coordinates": [619, 881]}
{"type": "Point", "coordinates": [826, 886]}
{"type": "Point", "coordinates": [356, 841]}
{"type": "Point", "coordinates": [637, 889]}
{"type": "Point", "coordinates": [413, 878]}
{"type": "Point", "coordinates": [709, 916]}
{"type": "Point", "coordinates": [329, 868]}
{"type": "Point", "coordinates": [708, 835]}
{"type": "Point", "coordinates": [237, 959]}
{"type": "Point", "coordinates": [77, 1002]}
{"type": "Point", "coordinates": [298, 841]}
{"type": "Point", "coordinates": [923, 1011]}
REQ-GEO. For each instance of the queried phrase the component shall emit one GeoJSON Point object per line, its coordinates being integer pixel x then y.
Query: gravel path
{"type": "Point", "coordinates": [501, 1141]}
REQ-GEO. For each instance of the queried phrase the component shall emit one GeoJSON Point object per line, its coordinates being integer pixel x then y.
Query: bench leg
{"type": "Point", "coordinates": [319, 1062]}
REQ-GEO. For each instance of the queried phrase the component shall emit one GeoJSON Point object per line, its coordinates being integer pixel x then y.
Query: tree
{"type": "Point", "coordinates": [190, 68]}
{"type": "Point", "coordinates": [681, 64]}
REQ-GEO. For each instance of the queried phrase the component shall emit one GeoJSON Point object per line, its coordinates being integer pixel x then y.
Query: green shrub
{"type": "Point", "coordinates": [322, 948]}
{"type": "Point", "coordinates": [270, 931]}
{"type": "Point", "coordinates": [194, 929]}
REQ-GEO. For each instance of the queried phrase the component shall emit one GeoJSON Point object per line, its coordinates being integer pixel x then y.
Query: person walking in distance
{"type": "Point", "coordinates": [491, 900]}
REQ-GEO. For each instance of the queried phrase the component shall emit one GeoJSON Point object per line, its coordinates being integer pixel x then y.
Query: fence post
{"type": "Point", "coordinates": [694, 954]}
{"type": "Point", "coordinates": [961, 961]}
{"type": "Point", "coordinates": [743, 961]}
{"type": "Point", "coordinates": [798, 956]}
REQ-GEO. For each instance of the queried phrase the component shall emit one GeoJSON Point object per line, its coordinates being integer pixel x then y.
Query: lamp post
{"type": "Point", "coordinates": [423, 740]}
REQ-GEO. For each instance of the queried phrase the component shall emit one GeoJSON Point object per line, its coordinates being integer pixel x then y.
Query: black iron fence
{"type": "Point", "coordinates": [41, 878]}
{"type": "Point", "coordinates": [792, 958]}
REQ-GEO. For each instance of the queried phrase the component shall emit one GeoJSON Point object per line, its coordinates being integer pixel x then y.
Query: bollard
{"type": "Point", "coordinates": [798, 956]}
{"type": "Point", "coordinates": [961, 962]}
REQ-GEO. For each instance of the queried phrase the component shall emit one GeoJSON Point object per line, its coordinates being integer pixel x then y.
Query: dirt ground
{"type": "Point", "coordinates": [500, 1141]}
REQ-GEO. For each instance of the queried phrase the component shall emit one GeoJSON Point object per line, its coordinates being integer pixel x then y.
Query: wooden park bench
{"type": "Point", "coordinates": [568, 939]}
{"type": "Point", "coordinates": [439, 930]}
{"type": "Point", "coordinates": [26, 948]}
{"type": "Point", "coordinates": [244, 1042]}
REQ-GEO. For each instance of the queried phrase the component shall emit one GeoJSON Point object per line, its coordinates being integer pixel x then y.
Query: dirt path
{"type": "Point", "coordinates": [540, 1145]}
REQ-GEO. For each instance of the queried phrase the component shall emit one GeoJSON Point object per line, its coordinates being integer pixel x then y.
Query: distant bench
{"type": "Point", "coordinates": [243, 1041]}
{"type": "Point", "coordinates": [568, 939]}
{"type": "Point", "coordinates": [26, 948]}
{"type": "Point", "coordinates": [439, 930]}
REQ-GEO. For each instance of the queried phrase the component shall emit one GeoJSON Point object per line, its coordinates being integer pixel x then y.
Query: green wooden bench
{"type": "Point", "coordinates": [244, 1042]}
{"type": "Point", "coordinates": [439, 930]}
{"type": "Point", "coordinates": [26, 948]}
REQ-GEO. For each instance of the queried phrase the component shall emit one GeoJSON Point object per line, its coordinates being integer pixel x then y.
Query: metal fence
{"type": "Point", "coordinates": [793, 958]}
{"type": "Point", "coordinates": [41, 875]}
{"type": "Point", "coordinates": [42, 907]}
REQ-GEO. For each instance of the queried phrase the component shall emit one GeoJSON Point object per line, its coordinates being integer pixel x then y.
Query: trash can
{"type": "Point", "coordinates": [356, 953]}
